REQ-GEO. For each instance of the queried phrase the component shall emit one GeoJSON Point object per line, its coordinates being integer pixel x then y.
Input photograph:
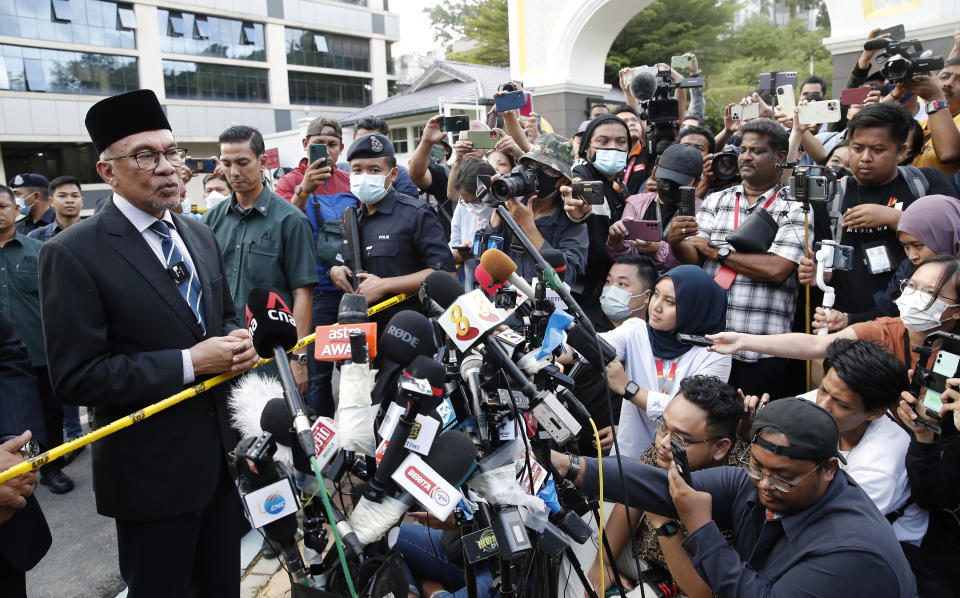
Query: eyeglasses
{"type": "Point", "coordinates": [776, 481]}
{"type": "Point", "coordinates": [908, 287]}
{"type": "Point", "coordinates": [149, 160]}
{"type": "Point", "coordinates": [662, 429]}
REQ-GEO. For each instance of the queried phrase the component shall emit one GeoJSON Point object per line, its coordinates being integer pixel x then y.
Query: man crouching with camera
{"type": "Point", "coordinates": [534, 195]}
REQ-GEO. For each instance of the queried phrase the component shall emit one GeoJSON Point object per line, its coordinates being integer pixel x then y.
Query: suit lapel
{"type": "Point", "coordinates": [132, 247]}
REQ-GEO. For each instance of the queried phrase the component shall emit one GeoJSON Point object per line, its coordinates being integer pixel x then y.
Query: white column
{"type": "Point", "coordinates": [276, 46]}
{"type": "Point", "coordinates": [149, 63]}
{"type": "Point", "coordinates": [378, 67]}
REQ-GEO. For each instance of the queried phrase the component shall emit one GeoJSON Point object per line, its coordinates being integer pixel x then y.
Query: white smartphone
{"type": "Point", "coordinates": [786, 99]}
{"type": "Point", "coordinates": [745, 112]}
{"type": "Point", "coordinates": [827, 111]}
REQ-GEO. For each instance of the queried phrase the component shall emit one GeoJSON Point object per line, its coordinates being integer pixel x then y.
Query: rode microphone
{"type": "Point", "coordinates": [452, 457]}
{"type": "Point", "coordinates": [407, 335]}
{"type": "Point", "coordinates": [643, 85]}
{"type": "Point", "coordinates": [421, 381]}
{"type": "Point", "coordinates": [503, 269]}
{"type": "Point", "coordinates": [273, 330]}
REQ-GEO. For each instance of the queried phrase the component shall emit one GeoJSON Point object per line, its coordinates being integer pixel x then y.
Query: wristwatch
{"type": "Point", "coordinates": [669, 528]}
{"type": "Point", "coordinates": [300, 358]}
{"type": "Point", "coordinates": [575, 465]}
{"type": "Point", "coordinates": [935, 105]}
{"type": "Point", "coordinates": [722, 254]}
{"type": "Point", "coordinates": [299, 192]}
{"type": "Point", "coordinates": [630, 389]}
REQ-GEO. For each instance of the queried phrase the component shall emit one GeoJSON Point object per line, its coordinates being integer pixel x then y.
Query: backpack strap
{"type": "Point", "coordinates": [916, 179]}
{"type": "Point", "coordinates": [836, 218]}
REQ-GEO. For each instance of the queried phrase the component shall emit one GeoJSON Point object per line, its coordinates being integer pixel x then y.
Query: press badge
{"type": "Point", "coordinates": [878, 259]}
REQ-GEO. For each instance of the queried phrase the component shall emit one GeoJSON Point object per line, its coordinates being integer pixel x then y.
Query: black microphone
{"type": "Point", "coordinates": [453, 457]}
{"type": "Point", "coordinates": [438, 291]}
{"type": "Point", "coordinates": [643, 85]}
{"type": "Point", "coordinates": [585, 342]}
{"type": "Point", "coordinates": [352, 309]}
{"type": "Point", "coordinates": [421, 368]}
{"type": "Point", "coordinates": [556, 259]}
{"type": "Point", "coordinates": [407, 335]}
{"type": "Point", "coordinates": [877, 44]}
{"type": "Point", "coordinates": [273, 330]}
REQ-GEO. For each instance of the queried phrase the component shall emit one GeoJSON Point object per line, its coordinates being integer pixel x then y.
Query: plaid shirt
{"type": "Point", "coordinates": [753, 306]}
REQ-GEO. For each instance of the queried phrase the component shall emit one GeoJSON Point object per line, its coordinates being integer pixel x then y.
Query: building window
{"type": "Point", "coordinates": [314, 89]}
{"type": "Point", "coordinates": [175, 27]}
{"type": "Point", "coordinates": [391, 69]}
{"type": "Point", "coordinates": [312, 48]}
{"type": "Point", "coordinates": [398, 137]}
{"type": "Point", "coordinates": [91, 22]}
{"type": "Point", "coordinates": [61, 10]}
{"type": "Point", "coordinates": [59, 71]}
{"type": "Point", "coordinates": [201, 81]}
{"type": "Point", "coordinates": [203, 35]}
{"type": "Point", "coordinates": [128, 19]}
{"type": "Point", "coordinates": [52, 159]}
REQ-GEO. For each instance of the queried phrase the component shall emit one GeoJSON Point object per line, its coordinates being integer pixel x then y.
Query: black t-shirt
{"type": "Point", "coordinates": [667, 212]}
{"type": "Point", "coordinates": [855, 287]}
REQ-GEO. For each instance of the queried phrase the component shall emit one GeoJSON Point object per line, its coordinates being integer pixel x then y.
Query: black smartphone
{"type": "Point", "coordinates": [452, 124]}
{"type": "Point", "coordinates": [680, 458]}
{"type": "Point", "coordinates": [897, 32]}
{"type": "Point", "coordinates": [511, 101]}
{"type": "Point", "coordinates": [318, 151]}
{"type": "Point", "coordinates": [688, 201]}
{"type": "Point", "coordinates": [201, 166]}
{"type": "Point", "coordinates": [694, 339]}
{"type": "Point", "coordinates": [590, 192]}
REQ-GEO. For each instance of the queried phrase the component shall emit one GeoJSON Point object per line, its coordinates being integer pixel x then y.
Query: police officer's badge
{"type": "Point", "coordinates": [18, 180]}
{"type": "Point", "coordinates": [376, 145]}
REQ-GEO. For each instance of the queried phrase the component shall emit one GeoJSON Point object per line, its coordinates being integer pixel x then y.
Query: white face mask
{"type": "Point", "coordinates": [915, 314]}
{"type": "Point", "coordinates": [369, 188]}
{"type": "Point", "coordinates": [477, 209]}
{"type": "Point", "coordinates": [215, 197]}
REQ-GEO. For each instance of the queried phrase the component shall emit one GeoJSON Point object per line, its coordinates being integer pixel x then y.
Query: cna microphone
{"type": "Point", "coordinates": [420, 382]}
{"type": "Point", "coordinates": [273, 330]}
{"type": "Point", "coordinates": [452, 458]}
{"type": "Point", "coordinates": [503, 269]}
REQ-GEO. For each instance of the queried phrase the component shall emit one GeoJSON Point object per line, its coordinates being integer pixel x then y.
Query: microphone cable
{"type": "Point", "coordinates": [333, 526]}
{"type": "Point", "coordinates": [596, 436]}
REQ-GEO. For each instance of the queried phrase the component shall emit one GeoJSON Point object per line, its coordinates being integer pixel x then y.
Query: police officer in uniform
{"type": "Point", "coordinates": [401, 238]}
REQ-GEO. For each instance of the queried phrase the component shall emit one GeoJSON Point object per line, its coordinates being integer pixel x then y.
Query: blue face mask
{"type": "Point", "coordinates": [22, 204]}
{"type": "Point", "coordinates": [369, 188]}
{"type": "Point", "coordinates": [610, 161]}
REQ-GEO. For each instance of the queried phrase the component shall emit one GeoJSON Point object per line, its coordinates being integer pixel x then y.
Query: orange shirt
{"type": "Point", "coordinates": [927, 158]}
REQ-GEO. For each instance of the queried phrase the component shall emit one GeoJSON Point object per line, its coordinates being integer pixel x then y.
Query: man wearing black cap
{"type": "Point", "coordinates": [401, 239]}
{"type": "Point", "coordinates": [32, 192]}
{"type": "Point", "coordinates": [802, 526]}
{"type": "Point", "coordinates": [144, 312]}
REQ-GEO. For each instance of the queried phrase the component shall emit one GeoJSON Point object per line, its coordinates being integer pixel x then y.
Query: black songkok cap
{"type": "Point", "coordinates": [119, 116]}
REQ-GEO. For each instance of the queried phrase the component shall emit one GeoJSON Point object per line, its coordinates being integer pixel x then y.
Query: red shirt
{"type": "Point", "coordinates": [339, 182]}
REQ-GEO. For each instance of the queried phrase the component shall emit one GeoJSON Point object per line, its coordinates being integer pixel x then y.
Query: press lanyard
{"type": "Point", "coordinates": [669, 378]}
{"type": "Point", "coordinates": [736, 209]}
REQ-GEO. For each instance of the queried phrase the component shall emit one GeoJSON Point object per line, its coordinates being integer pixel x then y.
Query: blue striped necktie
{"type": "Point", "coordinates": [190, 288]}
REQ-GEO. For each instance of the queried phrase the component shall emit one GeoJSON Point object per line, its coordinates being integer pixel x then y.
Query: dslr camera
{"type": "Point", "coordinates": [904, 59]}
{"type": "Point", "coordinates": [521, 181]}
{"type": "Point", "coordinates": [725, 166]}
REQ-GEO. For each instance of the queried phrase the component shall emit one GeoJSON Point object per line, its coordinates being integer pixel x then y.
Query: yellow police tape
{"type": "Point", "coordinates": [55, 453]}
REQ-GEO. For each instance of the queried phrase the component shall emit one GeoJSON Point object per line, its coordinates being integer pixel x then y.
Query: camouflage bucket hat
{"type": "Point", "coordinates": [554, 151]}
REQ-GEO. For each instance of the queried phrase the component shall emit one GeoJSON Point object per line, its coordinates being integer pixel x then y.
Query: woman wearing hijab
{"type": "Point", "coordinates": [651, 362]}
{"type": "Point", "coordinates": [929, 226]}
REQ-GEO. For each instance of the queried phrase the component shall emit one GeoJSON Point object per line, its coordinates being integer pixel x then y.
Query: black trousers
{"type": "Point", "coordinates": [765, 375]}
{"type": "Point", "coordinates": [197, 554]}
{"type": "Point", "coordinates": [52, 416]}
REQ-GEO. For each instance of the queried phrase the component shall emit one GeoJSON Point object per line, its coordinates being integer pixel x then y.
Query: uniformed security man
{"type": "Point", "coordinates": [401, 238]}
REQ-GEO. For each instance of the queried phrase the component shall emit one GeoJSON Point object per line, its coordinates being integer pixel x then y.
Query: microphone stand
{"type": "Point", "coordinates": [549, 274]}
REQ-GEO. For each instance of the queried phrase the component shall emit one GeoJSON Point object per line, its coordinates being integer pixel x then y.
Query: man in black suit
{"type": "Point", "coordinates": [134, 309]}
{"type": "Point", "coordinates": [24, 535]}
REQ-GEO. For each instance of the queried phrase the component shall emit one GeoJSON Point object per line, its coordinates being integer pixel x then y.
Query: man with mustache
{"type": "Point", "coordinates": [761, 287]}
{"type": "Point", "coordinates": [135, 308]}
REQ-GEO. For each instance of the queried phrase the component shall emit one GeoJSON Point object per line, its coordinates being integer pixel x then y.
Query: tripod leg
{"type": "Point", "coordinates": [575, 565]}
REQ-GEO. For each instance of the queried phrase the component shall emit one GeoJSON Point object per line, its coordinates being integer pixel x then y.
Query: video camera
{"type": "Point", "coordinates": [661, 111]}
{"type": "Point", "coordinates": [904, 59]}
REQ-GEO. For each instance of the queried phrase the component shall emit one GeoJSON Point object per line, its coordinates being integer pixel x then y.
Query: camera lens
{"type": "Point", "coordinates": [725, 166]}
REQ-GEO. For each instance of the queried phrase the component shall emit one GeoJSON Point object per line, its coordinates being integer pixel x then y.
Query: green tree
{"type": "Point", "coordinates": [484, 23]}
{"type": "Point", "coordinates": [668, 28]}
